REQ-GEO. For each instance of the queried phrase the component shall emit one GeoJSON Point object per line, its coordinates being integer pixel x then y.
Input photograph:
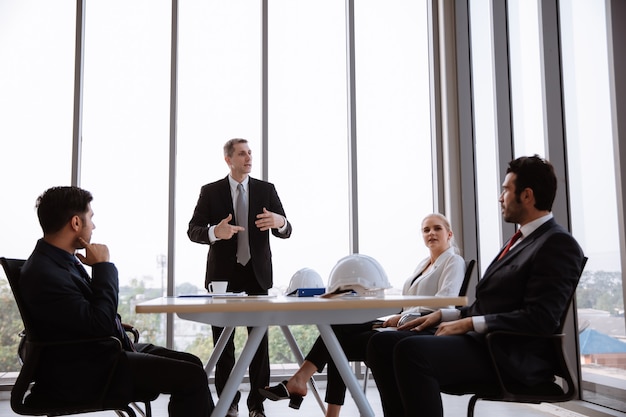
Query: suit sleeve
{"type": "Point", "coordinates": [198, 230]}
{"type": "Point", "coordinates": [531, 296]}
{"type": "Point", "coordinates": [277, 207]}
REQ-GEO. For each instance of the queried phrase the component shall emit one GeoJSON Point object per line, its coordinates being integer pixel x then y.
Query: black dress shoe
{"type": "Point", "coordinates": [280, 392]}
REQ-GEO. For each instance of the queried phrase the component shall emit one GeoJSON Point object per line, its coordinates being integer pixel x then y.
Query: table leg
{"type": "Point", "coordinates": [291, 341]}
{"type": "Point", "coordinates": [236, 375]}
{"type": "Point", "coordinates": [218, 349]}
{"type": "Point", "coordinates": [343, 366]}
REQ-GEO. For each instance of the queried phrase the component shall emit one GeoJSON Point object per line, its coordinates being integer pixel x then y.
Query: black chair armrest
{"type": "Point", "coordinates": [129, 328]}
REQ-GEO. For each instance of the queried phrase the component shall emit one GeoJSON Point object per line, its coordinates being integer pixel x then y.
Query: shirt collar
{"type": "Point", "coordinates": [233, 183]}
{"type": "Point", "coordinates": [530, 227]}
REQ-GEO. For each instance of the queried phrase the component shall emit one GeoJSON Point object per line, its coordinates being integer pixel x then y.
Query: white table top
{"type": "Point", "coordinates": [284, 310]}
{"type": "Point", "coordinates": [282, 303]}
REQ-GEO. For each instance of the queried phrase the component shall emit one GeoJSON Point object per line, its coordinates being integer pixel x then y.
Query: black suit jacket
{"type": "Point", "coordinates": [216, 203]}
{"type": "Point", "coordinates": [63, 306]}
{"type": "Point", "coordinates": [527, 291]}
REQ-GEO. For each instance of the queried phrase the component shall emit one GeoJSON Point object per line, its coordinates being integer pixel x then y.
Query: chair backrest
{"type": "Point", "coordinates": [571, 298]}
{"type": "Point", "coordinates": [13, 268]}
{"type": "Point", "coordinates": [469, 268]}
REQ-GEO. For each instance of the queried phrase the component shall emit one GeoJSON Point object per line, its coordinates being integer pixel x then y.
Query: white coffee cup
{"type": "Point", "coordinates": [218, 287]}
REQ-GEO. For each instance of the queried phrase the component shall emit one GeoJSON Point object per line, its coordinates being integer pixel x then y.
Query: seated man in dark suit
{"type": "Point", "coordinates": [65, 303]}
{"type": "Point", "coordinates": [525, 289]}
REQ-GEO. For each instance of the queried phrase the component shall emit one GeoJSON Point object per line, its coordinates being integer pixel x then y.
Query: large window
{"type": "Point", "coordinates": [589, 150]}
{"type": "Point", "coordinates": [526, 86]}
{"type": "Point", "coordinates": [125, 132]}
{"type": "Point", "coordinates": [594, 208]}
{"type": "Point", "coordinates": [219, 98]}
{"type": "Point", "coordinates": [36, 85]}
{"type": "Point", "coordinates": [35, 113]}
{"type": "Point", "coordinates": [125, 139]}
{"type": "Point", "coordinates": [307, 134]}
{"type": "Point", "coordinates": [393, 133]}
{"type": "Point", "coordinates": [488, 186]}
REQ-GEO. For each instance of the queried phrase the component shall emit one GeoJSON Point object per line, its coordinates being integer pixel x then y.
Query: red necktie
{"type": "Point", "coordinates": [514, 239]}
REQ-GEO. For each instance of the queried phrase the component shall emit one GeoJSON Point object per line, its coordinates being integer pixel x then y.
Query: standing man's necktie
{"type": "Point", "coordinates": [243, 247]}
{"type": "Point", "coordinates": [514, 239]}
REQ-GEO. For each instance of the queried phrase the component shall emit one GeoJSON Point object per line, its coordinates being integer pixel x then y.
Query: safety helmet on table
{"type": "Point", "coordinates": [304, 278]}
{"type": "Point", "coordinates": [359, 273]}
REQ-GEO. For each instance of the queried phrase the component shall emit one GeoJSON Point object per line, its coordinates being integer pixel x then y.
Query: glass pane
{"type": "Point", "coordinates": [590, 149]}
{"type": "Point", "coordinates": [393, 132]}
{"type": "Point", "coordinates": [36, 105]}
{"type": "Point", "coordinates": [36, 108]}
{"type": "Point", "coordinates": [488, 187]}
{"type": "Point", "coordinates": [526, 85]}
{"type": "Point", "coordinates": [308, 160]}
{"type": "Point", "coordinates": [219, 99]}
{"type": "Point", "coordinates": [126, 143]}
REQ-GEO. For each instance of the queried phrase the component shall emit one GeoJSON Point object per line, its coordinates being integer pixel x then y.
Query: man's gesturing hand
{"type": "Point", "coordinates": [225, 230]}
{"type": "Point", "coordinates": [269, 220]}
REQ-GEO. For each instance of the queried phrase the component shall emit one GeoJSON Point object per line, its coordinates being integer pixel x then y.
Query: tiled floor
{"type": "Point", "coordinates": [454, 407]}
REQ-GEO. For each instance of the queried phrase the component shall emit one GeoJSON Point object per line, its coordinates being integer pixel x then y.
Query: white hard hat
{"type": "Point", "coordinates": [359, 273]}
{"type": "Point", "coordinates": [304, 278]}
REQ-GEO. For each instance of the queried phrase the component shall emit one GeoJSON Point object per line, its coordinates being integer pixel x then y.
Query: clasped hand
{"type": "Point", "coordinates": [448, 328]}
{"type": "Point", "coordinates": [423, 322]}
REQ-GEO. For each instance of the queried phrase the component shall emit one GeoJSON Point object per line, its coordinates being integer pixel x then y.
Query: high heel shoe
{"type": "Point", "coordinates": [280, 392]}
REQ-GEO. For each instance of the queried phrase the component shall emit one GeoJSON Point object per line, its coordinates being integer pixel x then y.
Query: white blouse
{"type": "Point", "coordinates": [443, 278]}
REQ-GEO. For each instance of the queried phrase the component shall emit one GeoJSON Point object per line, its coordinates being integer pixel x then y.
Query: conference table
{"type": "Point", "coordinates": [259, 312]}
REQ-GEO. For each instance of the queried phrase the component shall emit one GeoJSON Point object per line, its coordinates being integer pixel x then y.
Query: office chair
{"type": "Point", "coordinates": [469, 268]}
{"type": "Point", "coordinates": [30, 351]}
{"type": "Point", "coordinates": [549, 392]}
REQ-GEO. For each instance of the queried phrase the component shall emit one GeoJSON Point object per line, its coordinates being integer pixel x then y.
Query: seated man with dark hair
{"type": "Point", "coordinates": [525, 289]}
{"type": "Point", "coordinates": [65, 303]}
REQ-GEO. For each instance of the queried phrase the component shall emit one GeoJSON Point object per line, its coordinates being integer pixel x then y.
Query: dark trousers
{"type": "Point", "coordinates": [259, 371]}
{"type": "Point", "coordinates": [155, 369]}
{"type": "Point", "coordinates": [410, 367]}
{"type": "Point", "coordinates": [353, 339]}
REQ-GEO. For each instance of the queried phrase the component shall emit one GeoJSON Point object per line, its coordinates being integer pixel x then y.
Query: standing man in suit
{"type": "Point", "coordinates": [526, 288]}
{"type": "Point", "coordinates": [65, 303]}
{"type": "Point", "coordinates": [239, 252]}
